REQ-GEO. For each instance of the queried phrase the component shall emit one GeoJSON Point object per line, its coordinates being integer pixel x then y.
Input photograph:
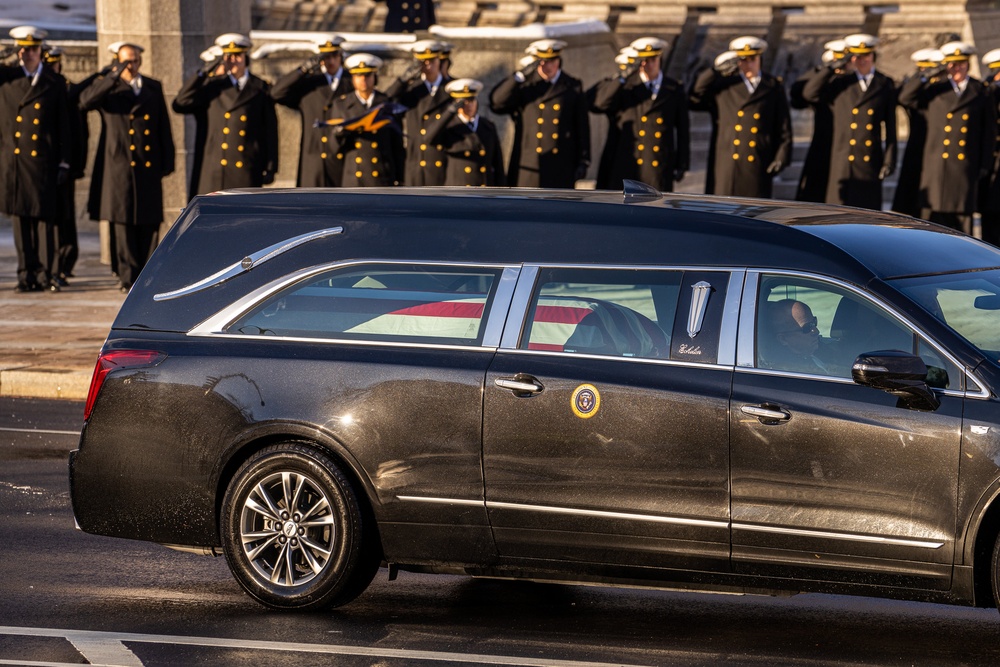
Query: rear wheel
{"type": "Point", "coordinates": [294, 532]}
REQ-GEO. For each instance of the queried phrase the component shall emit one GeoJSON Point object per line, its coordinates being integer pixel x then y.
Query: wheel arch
{"type": "Point", "coordinates": [275, 433]}
{"type": "Point", "coordinates": [985, 527]}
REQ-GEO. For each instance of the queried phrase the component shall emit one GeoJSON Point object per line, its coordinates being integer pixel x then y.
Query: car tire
{"type": "Point", "coordinates": [294, 532]}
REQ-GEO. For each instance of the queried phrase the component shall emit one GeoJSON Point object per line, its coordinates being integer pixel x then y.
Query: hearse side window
{"type": "Point", "coordinates": [812, 327]}
{"type": "Point", "coordinates": [379, 302]}
{"type": "Point", "coordinates": [620, 313]}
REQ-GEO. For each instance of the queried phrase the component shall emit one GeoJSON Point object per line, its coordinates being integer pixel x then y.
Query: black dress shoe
{"type": "Point", "coordinates": [61, 281]}
{"type": "Point", "coordinates": [22, 288]}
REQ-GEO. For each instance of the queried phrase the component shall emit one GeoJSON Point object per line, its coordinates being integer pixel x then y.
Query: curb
{"type": "Point", "coordinates": [25, 382]}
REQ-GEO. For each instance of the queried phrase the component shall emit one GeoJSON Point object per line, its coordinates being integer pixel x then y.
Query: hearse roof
{"type": "Point", "coordinates": [501, 225]}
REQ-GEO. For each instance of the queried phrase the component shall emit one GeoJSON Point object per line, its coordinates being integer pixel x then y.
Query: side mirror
{"type": "Point", "coordinates": [899, 373]}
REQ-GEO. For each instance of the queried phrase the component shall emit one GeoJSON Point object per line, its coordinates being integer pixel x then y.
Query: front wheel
{"type": "Point", "coordinates": [294, 533]}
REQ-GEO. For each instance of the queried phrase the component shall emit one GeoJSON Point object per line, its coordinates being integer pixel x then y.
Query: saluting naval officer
{"type": "Point", "coordinates": [138, 153]}
{"type": "Point", "coordinates": [371, 157]}
{"type": "Point", "coordinates": [35, 155]}
{"type": "Point", "coordinates": [816, 165]}
{"type": "Point", "coordinates": [470, 141]}
{"type": "Point", "coordinates": [650, 115]}
{"type": "Point", "coordinates": [989, 188]}
{"type": "Point", "coordinates": [311, 90]}
{"type": "Point", "coordinates": [551, 123]}
{"type": "Point", "coordinates": [626, 60]}
{"type": "Point", "coordinates": [862, 104]}
{"type": "Point", "coordinates": [754, 140]}
{"type": "Point", "coordinates": [961, 134]}
{"type": "Point", "coordinates": [66, 237]}
{"type": "Point", "coordinates": [908, 181]}
{"type": "Point", "coordinates": [421, 89]}
{"type": "Point", "coordinates": [240, 147]}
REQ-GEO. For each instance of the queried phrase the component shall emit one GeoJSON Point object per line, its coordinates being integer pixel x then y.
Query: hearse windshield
{"type": "Point", "coordinates": [969, 303]}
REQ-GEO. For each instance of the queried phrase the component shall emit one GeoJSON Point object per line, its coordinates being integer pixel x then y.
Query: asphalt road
{"type": "Point", "coordinates": [71, 598]}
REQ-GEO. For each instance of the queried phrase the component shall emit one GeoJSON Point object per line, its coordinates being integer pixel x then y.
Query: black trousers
{"type": "Point", "coordinates": [991, 227]}
{"type": "Point", "coordinates": [133, 246]}
{"type": "Point", "coordinates": [35, 242]}
{"type": "Point", "coordinates": [66, 237]}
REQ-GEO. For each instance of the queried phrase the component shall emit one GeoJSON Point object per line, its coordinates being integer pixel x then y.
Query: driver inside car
{"type": "Point", "coordinates": [790, 339]}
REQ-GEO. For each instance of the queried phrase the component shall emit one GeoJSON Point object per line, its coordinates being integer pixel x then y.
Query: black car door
{"type": "Point", "coordinates": [831, 480]}
{"type": "Point", "coordinates": [605, 430]}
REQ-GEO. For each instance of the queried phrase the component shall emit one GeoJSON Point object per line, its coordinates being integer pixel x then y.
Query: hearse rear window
{"type": "Point", "coordinates": [415, 304]}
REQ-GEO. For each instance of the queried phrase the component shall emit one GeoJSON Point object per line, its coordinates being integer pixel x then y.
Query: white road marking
{"type": "Point", "coordinates": [105, 651]}
{"type": "Point", "coordinates": [81, 638]}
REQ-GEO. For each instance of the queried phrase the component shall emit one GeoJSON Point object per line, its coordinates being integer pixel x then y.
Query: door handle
{"type": "Point", "coordinates": [766, 414]}
{"type": "Point", "coordinates": [520, 384]}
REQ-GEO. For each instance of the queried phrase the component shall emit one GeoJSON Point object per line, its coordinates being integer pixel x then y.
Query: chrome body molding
{"type": "Point", "coordinates": [627, 516]}
{"type": "Point", "coordinates": [247, 263]}
{"type": "Point", "coordinates": [683, 521]}
{"type": "Point", "coordinates": [443, 501]}
{"type": "Point", "coordinates": [849, 537]}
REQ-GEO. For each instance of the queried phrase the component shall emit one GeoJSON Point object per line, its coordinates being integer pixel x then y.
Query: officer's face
{"type": "Point", "coordinates": [650, 66]}
{"type": "Point", "coordinates": [30, 56]}
{"type": "Point", "coordinates": [548, 67]}
{"type": "Point", "coordinates": [750, 65]}
{"type": "Point", "coordinates": [364, 83]}
{"type": "Point", "coordinates": [863, 62]}
{"type": "Point", "coordinates": [430, 68]}
{"type": "Point", "coordinates": [958, 71]}
{"type": "Point", "coordinates": [127, 54]}
{"type": "Point", "coordinates": [470, 107]}
{"type": "Point", "coordinates": [332, 61]}
{"type": "Point", "coordinates": [235, 64]}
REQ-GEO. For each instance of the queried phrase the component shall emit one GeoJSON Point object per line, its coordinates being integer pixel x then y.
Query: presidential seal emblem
{"type": "Point", "coordinates": [586, 401]}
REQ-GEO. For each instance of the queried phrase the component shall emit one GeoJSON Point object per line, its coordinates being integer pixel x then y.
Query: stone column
{"type": "Point", "coordinates": [174, 33]}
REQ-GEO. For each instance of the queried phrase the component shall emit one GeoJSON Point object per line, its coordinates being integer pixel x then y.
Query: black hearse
{"type": "Point", "coordinates": [629, 388]}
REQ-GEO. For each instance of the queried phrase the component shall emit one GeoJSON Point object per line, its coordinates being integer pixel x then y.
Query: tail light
{"type": "Point", "coordinates": [112, 360]}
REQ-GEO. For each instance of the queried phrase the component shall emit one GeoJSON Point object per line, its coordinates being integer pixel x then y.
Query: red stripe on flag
{"type": "Point", "coordinates": [560, 314]}
{"type": "Point", "coordinates": [444, 309]}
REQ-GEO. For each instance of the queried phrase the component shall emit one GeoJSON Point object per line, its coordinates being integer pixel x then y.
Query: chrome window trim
{"type": "Point", "coordinates": [682, 521]}
{"type": "Point", "coordinates": [644, 360]}
{"type": "Point", "coordinates": [250, 261]}
{"type": "Point", "coordinates": [745, 362]}
{"type": "Point", "coordinates": [494, 323]}
{"type": "Point", "coordinates": [849, 537]}
{"type": "Point", "coordinates": [519, 306]}
{"type": "Point", "coordinates": [728, 328]}
{"type": "Point", "coordinates": [351, 341]}
{"type": "Point", "coordinates": [214, 326]}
